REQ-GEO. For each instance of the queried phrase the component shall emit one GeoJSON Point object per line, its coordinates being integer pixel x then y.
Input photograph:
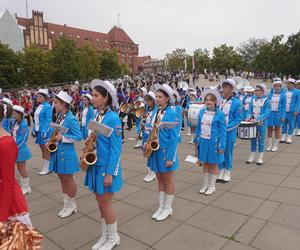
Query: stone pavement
{"type": "Point", "coordinates": [258, 209]}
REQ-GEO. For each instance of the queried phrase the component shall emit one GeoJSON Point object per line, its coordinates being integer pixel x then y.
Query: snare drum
{"type": "Point", "coordinates": [247, 130]}
{"type": "Point", "coordinates": [194, 113]}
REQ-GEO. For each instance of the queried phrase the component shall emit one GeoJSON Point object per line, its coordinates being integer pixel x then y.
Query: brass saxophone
{"type": "Point", "coordinates": [89, 156]}
{"type": "Point", "coordinates": [152, 143]}
{"type": "Point", "coordinates": [52, 143]}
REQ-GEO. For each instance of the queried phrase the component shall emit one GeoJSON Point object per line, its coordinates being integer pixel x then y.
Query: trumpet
{"type": "Point", "coordinates": [152, 143]}
{"type": "Point", "coordinates": [52, 143]}
{"type": "Point", "coordinates": [89, 156]}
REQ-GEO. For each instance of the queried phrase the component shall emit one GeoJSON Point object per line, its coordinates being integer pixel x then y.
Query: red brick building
{"type": "Point", "coordinates": [44, 34]}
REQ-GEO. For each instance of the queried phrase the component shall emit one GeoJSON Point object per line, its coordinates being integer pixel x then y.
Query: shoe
{"type": "Point", "coordinates": [189, 131]}
{"type": "Point", "coordinates": [227, 176]}
{"type": "Point", "coordinates": [260, 159]}
{"type": "Point", "coordinates": [65, 202]}
{"type": "Point", "coordinates": [192, 141]}
{"type": "Point", "coordinates": [251, 158]}
{"type": "Point", "coordinates": [269, 144]}
{"type": "Point", "coordinates": [298, 132]}
{"type": "Point", "coordinates": [70, 208]}
{"type": "Point", "coordinates": [25, 185]}
{"type": "Point", "coordinates": [220, 177]}
{"type": "Point", "coordinates": [167, 210]}
{"type": "Point", "coordinates": [104, 237]}
{"type": "Point", "coordinates": [275, 145]}
{"type": "Point", "coordinates": [162, 196]}
{"type": "Point", "coordinates": [113, 237]}
{"type": "Point", "coordinates": [139, 144]}
{"type": "Point", "coordinates": [212, 185]}
{"type": "Point", "coordinates": [205, 183]}
{"type": "Point", "coordinates": [45, 168]}
{"type": "Point", "coordinates": [289, 139]}
{"type": "Point", "coordinates": [150, 177]}
{"type": "Point", "coordinates": [283, 138]}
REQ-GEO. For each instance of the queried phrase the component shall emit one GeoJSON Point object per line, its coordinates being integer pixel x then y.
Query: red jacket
{"type": "Point", "coordinates": [12, 201]}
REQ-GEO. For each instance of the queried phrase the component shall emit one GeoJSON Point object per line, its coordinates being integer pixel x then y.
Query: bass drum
{"type": "Point", "coordinates": [194, 113]}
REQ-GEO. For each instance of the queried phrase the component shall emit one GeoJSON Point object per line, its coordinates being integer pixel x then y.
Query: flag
{"type": "Point", "coordinates": [185, 65]}
{"type": "Point", "coordinates": [193, 64]}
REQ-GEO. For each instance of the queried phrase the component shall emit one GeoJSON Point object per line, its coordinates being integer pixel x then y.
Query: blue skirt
{"type": "Point", "coordinates": [208, 152]}
{"type": "Point", "coordinates": [94, 180]}
{"type": "Point", "coordinates": [40, 140]}
{"type": "Point", "coordinates": [64, 162]}
{"type": "Point", "coordinates": [157, 162]}
{"type": "Point", "coordinates": [23, 154]}
{"type": "Point", "coordinates": [84, 132]}
{"type": "Point", "coordinates": [274, 119]}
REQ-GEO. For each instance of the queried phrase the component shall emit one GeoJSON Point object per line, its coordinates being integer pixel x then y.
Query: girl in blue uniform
{"type": "Point", "coordinates": [191, 127]}
{"type": "Point", "coordinates": [165, 160]}
{"type": "Point", "coordinates": [277, 116]}
{"type": "Point", "coordinates": [297, 126]}
{"type": "Point", "coordinates": [6, 123]}
{"type": "Point", "coordinates": [147, 127]}
{"type": "Point", "coordinates": [64, 161]}
{"type": "Point", "coordinates": [20, 133]}
{"type": "Point", "coordinates": [87, 114]}
{"type": "Point", "coordinates": [41, 129]}
{"type": "Point", "coordinates": [179, 111]}
{"type": "Point", "coordinates": [105, 177]}
{"type": "Point", "coordinates": [259, 112]}
{"type": "Point", "coordinates": [246, 100]}
{"type": "Point", "coordinates": [210, 139]}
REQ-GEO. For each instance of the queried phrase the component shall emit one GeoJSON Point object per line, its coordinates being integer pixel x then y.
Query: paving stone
{"type": "Point", "coordinates": [187, 237]}
{"type": "Point", "coordinates": [266, 210]}
{"type": "Point", "coordinates": [275, 169]}
{"type": "Point", "coordinates": [49, 245]}
{"type": "Point", "coordinates": [287, 195]}
{"type": "Point", "coordinates": [271, 179]}
{"type": "Point", "coordinates": [42, 204]}
{"type": "Point", "coordinates": [291, 182]}
{"type": "Point", "coordinates": [127, 189]}
{"type": "Point", "coordinates": [189, 177]}
{"type": "Point", "coordinates": [144, 199]}
{"type": "Point", "coordinates": [232, 245]}
{"type": "Point", "coordinates": [217, 221]}
{"type": "Point", "coordinates": [288, 215]}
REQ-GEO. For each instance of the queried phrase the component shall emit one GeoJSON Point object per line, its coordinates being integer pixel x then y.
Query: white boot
{"type": "Point", "coordinates": [167, 210]}
{"type": "Point", "coordinates": [212, 185]}
{"type": "Point", "coordinates": [275, 145]}
{"type": "Point", "coordinates": [70, 208]}
{"type": "Point", "coordinates": [64, 196]}
{"type": "Point", "coordinates": [260, 159]}
{"type": "Point", "coordinates": [139, 144]}
{"type": "Point", "coordinates": [298, 132]}
{"type": "Point", "coordinates": [162, 196]}
{"type": "Point", "coordinates": [45, 169]}
{"type": "Point", "coordinates": [289, 139]}
{"type": "Point", "coordinates": [294, 132]}
{"type": "Point", "coordinates": [192, 140]}
{"type": "Point", "coordinates": [220, 177]}
{"type": "Point", "coordinates": [269, 144]}
{"type": "Point", "coordinates": [205, 183]}
{"type": "Point", "coordinates": [147, 175]}
{"type": "Point", "coordinates": [251, 158]}
{"type": "Point", "coordinates": [151, 177]}
{"type": "Point", "coordinates": [25, 185]}
{"type": "Point", "coordinates": [113, 237]}
{"type": "Point", "coordinates": [283, 138]}
{"type": "Point", "coordinates": [227, 175]}
{"type": "Point", "coordinates": [188, 131]}
{"type": "Point", "coordinates": [104, 237]}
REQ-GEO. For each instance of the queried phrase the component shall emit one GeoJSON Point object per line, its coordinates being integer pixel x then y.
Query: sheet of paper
{"type": "Point", "coordinates": [60, 128]}
{"type": "Point", "coordinates": [191, 159]}
{"type": "Point", "coordinates": [100, 128]}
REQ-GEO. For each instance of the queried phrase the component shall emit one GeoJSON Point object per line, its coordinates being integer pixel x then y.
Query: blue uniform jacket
{"type": "Point", "coordinates": [148, 124]}
{"type": "Point", "coordinates": [45, 118]}
{"type": "Point", "coordinates": [90, 115]}
{"type": "Point", "coordinates": [265, 110]}
{"type": "Point", "coordinates": [22, 135]}
{"type": "Point", "coordinates": [295, 101]}
{"type": "Point", "coordinates": [235, 114]}
{"type": "Point", "coordinates": [178, 109]}
{"type": "Point", "coordinates": [281, 105]}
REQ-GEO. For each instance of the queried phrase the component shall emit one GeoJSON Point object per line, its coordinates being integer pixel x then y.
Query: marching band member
{"type": "Point", "coordinates": [140, 98]}
{"type": "Point", "coordinates": [210, 139]}
{"type": "Point", "coordinates": [183, 103]}
{"type": "Point", "coordinates": [246, 100]}
{"type": "Point", "coordinates": [87, 114]}
{"type": "Point", "coordinates": [191, 127]}
{"type": "Point", "coordinates": [6, 123]}
{"type": "Point", "coordinates": [259, 112]}
{"type": "Point", "coordinates": [241, 94]}
{"type": "Point", "coordinates": [104, 178]}
{"type": "Point", "coordinates": [150, 115]}
{"type": "Point", "coordinates": [178, 109]}
{"type": "Point", "coordinates": [277, 116]}
{"type": "Point", "coordinates": [64, 161]}
{"type": "Point", "coordinates": [232, 108]}
{"type": "Point", "coordinates": [41, 129]}
{"type": "Point", "coordinates": [164, 161]}
{"type": "Point", "coordinates": [297, 126]}
{"type": "Point", "coordinates": [20, 132]}
{"type": "Point", "coordinates": [292, 110]}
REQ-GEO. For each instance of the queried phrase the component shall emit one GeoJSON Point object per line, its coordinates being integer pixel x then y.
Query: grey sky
{"type": "Point", "coordinates": [159, 26]}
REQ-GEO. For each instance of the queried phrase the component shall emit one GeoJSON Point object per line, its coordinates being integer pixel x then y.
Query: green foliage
{"type": "Point", "coordinates": [89, 66]}
{"type": "Point", "coordinates": [9, 65]}
{"type": "Point", "coordinates": [109, 64]}
{"type": "Point", "coordinates": [202, 60]}
{"type": "Point", "coordinates": [176, 60]}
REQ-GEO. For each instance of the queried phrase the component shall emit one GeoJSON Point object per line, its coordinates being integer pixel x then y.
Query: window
{"type": "Point", "coordinates": [123, 58]}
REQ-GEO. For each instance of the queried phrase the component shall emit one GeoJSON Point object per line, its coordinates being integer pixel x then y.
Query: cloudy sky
{"type": "Point", "coordinates": [159, 26]}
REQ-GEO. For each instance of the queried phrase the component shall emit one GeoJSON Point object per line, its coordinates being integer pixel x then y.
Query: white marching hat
{"type": "Point", "coordinates": [177, 95]}
{"type": "Point", "coordinates": [64, 96]}
{"type": "Point", "coordinates": [298, 81]}
{"type": "Point", "coordinates": [109, 87]}
{"type": "Point", "coordinates": [277, 82]}
{"type": "Point", "coordinates": [18, 108]}
{"type": "Point", "coordinates": [213, 92]}
{"type": "Point", "coordinates": [43, 92]}
{"type": "Point", "coordinates": [88, 96]}
{"type": "Point", "coordinates": [144, 90]}
{"type": "Point", "coordinates": [249, 89]}
{"type": "Point", "coordinates": [166, 88]}
{"type": "Point", "coordinates": [232, 83]}
{"type": "Point", "coordinates": [291, 80]}
{"type": "Point", "coordinates": [7, 101]}
{"type": "Point", "coordinates": [262, 86]}
{"type": "Point", "coordinates": [151, 94]}
{"type": "Point", "coordinates": [193, 93]}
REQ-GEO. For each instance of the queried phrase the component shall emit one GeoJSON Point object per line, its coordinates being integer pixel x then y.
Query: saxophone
{"type": "Point", "coordinates": [152, 143]}
{"type": "Point", "coordinates": [89, 156]}
{"type": "Point", "coordinates": [52, 143]}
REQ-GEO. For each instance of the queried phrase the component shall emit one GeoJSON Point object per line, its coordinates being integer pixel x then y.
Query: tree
{"type": "Point", "coordinates": [226, 58]}
{"type": "Point", "coordinates": [293, 44]}
{"type": "Point", "coordinates": [65, 61]}
{"type": "Point", "coordinates": [89, 63]}
{"type": "Point", "coordinates": [248, 51]}
{"type": "Point", "coordinates": [176, 60]}
{"type": "Point", "coordinates": [9, 66]}
{"type": "Point", "coordinates": [202, 60]}
{"type": "Point", "coordinates": [35, 66]}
